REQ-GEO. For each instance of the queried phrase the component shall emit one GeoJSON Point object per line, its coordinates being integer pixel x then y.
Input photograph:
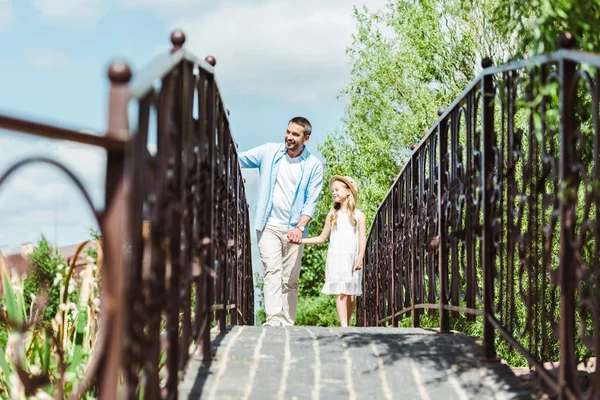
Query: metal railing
{"type": "Point", "coordinates": [175, 226]}
{"type": "Point", "coordinates": [198, 217]}
{"type": "Point", "coordinates": [496, 215]}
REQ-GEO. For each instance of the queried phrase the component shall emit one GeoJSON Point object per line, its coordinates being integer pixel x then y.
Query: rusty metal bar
{"type": "Point", "coordinates": [569, 178]}
{"type": "Point", "coordinates": [187, 206]}
{"type": "Point", "coordinates": [114, 229]}
{"type": "Point", "coordinates": [211, 186]}
{"type": "Point", "coordinates": [489, 142]}
{"type": "Point", "coordinates": [442, 226]}
{"type": "Point", "coordinates": [111, 141]}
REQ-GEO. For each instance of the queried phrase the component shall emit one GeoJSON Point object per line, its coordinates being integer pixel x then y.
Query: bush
{"type": "Point", "coordinates": [46, 264]}
{"type": "Point", "coordinates": [312, 275]}
{"type": "Point", "coordinates": [317, 311]}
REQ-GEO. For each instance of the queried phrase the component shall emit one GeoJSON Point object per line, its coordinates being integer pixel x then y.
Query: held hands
{"type": "Point", "coordinates": [295, 236]}
{"type": "Point", "coordinates": [358, 264]}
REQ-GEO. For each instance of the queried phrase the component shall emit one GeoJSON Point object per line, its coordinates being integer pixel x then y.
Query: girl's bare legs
{"type": "Point", "coordinates": [341, 304]}
{"type": "Point", "coordinates": [350, 302]}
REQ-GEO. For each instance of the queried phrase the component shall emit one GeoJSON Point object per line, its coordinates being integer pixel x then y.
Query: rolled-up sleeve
{"type": "Point", "coordinates": [251, 158]}
{"type": "Point", "coordinates": [313, 190]}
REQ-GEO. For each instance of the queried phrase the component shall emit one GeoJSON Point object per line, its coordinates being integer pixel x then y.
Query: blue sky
{"type": "Point", "coordinates": [275, 59]}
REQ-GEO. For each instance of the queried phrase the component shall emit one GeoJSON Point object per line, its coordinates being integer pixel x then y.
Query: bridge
{"type": "Point", "coordinates": [490, 228]}
{"type": "Point", "coordinates": [348, 363]}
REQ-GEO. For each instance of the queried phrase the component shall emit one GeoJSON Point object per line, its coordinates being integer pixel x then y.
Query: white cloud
{"type": "Point", "coordinates": [7, 14]}
{"type": "Point", "coordinates": [81, 13]}
{"type": "Point", "coordinates": [48, 59]}
{"type": "Point", "coordinates": [290, 50]}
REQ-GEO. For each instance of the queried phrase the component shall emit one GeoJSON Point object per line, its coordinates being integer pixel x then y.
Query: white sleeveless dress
{"type": "Point", "coordinates": [340, 276]}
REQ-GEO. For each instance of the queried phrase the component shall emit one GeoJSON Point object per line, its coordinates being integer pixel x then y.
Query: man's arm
{"type": "Point", "coordinates": [252, 158]}
{"type": "Point", "coordinates": [313, 190]}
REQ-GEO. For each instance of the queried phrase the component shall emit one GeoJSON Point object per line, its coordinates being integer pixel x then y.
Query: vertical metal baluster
{"type": "Point", "coordinates": [487, 98]}
{"type": "Point", "coordinates": [568, 179]}
{"type": "Point", "coordinates": [442, 129]}
{"type": "Point", "coordinates": [114, 227]}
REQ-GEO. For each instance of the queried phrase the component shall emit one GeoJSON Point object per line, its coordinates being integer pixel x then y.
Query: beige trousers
{"type": "Point", "coordinates": [282, 262]}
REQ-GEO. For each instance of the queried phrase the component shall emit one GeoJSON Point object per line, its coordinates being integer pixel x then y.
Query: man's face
{"type": "Point", "coordinates": [295, 137]}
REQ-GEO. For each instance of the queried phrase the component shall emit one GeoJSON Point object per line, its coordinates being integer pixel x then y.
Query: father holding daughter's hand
{"type": "Point", "coordinates": [290, 183]}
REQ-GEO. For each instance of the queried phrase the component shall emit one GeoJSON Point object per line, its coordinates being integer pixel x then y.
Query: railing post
{"type": "Point", "coordinates": [378, 281]}
{"type": "Point", "coordinates": [209, 132]}
{"type": "Point", "coordinates": [361, 310]}
{"type": "Point", "coordinates": [114, 228]}
{"type": "Point", "coordinates": [568, 197]}
{"type": "Point", "coordinates": [442, 228]}
{"type": "Point", "coordinates": [173, 135]}
{"type": "Point", "coordinates": [392, 213]}
{"type": "Point", "coordinates": [413, 239]}
{"type": "Point", "coordinates": [249, 278]}
{"type": "Point", "coordinates": [224, 228]}
{"type": "Point", "coordinates": [236, 261]}
{"type": "Point", "coordinates": [487, 182]}
{"type": "Point", "coordinates": [185, 119]}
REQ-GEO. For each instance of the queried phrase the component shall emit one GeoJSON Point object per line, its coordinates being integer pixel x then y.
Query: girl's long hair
{"type": "Point", "coordinates": [350, 205]}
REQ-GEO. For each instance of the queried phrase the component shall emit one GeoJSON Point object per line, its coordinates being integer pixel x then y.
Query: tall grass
{"type": "Point", "coordinates": [49, 325]}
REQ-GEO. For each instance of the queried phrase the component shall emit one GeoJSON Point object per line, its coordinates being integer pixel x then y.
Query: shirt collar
{"type": "Point", "coordinates": [305, 153]}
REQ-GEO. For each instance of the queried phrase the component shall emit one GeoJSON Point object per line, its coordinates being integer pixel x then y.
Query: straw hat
{"type": "Point", "coordinates": [351, 183]}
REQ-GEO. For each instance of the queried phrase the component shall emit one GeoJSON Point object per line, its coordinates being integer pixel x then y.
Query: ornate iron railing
{"type": "Point", "coordinates": [496, 215]}
{"type": "Point", "coordinates": [175, 226]}
{"type": "Point", "coordinates": [198, 217]}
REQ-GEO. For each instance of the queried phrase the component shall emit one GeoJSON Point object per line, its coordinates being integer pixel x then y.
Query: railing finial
{"type": "Point", "coordinates": [119, 72]}
{"type": "Point", "coordinates": [486, 62]}
{"type": "Point", "coordinates": [566, 40]}
{"type": "Point", "coordinates": [211, 60]}
{"type": "Point", "coordinates": [440, 111]}
{"type": "Point", "coordinates": [178, 39]}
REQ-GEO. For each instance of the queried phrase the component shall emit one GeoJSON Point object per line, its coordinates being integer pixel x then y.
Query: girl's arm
{"type": "Point", "coordinates": [362, 241]}
{"type": "Point", "coordinates": [324, 234]}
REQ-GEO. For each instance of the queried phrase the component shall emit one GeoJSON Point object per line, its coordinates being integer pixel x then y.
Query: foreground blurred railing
{"type": "Point", "coordinates": [175, 226]}
{"type": "Point", "coordinates": [198, 256]}
{"type": "Point", "coordinates": [496, 215]}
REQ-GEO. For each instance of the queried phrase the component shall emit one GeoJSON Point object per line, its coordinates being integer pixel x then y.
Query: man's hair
{"type": "Point", "coordinates": [303, 122]}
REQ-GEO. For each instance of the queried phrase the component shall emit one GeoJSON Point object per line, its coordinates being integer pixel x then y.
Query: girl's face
{"type": "Point", "coordinates": [339, 191]}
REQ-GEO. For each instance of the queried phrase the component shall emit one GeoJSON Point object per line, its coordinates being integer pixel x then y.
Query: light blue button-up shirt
{"type": "Point", "coordinates": [267, 158]}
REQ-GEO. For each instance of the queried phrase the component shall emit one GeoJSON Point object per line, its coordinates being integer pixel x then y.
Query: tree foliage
{"type": "Point", "coordinates": [536, 24]}
{"type": "Point", "coordinates": [408, 60]}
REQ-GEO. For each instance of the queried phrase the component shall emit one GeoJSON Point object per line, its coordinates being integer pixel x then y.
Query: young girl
{"type": "Point", "coordinates": [343, 271]}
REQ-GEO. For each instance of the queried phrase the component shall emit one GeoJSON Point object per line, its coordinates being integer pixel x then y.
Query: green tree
{"type": "Point", "coordinates": [408, 60]}
{"type": "Point", "coordinates": [535, 24]}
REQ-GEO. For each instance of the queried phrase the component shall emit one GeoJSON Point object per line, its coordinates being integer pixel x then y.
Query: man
{"type": "Point", "coordinates": [290, 183]}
